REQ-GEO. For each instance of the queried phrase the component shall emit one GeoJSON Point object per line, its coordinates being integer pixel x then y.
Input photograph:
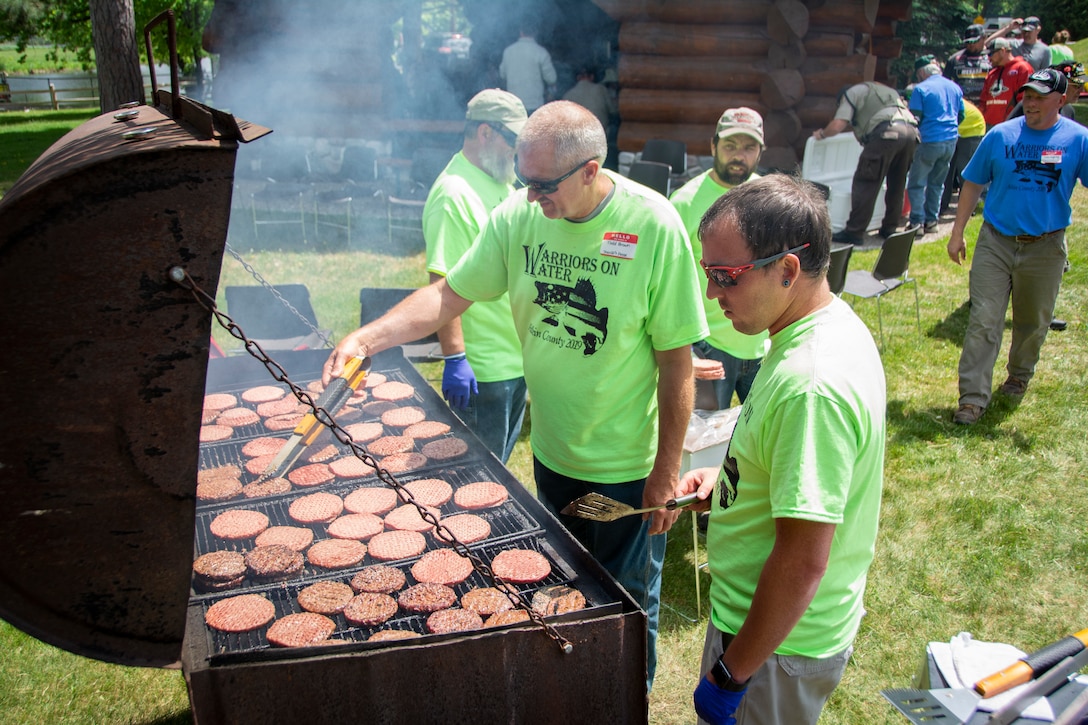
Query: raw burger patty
{"type": "Point", "coordinates": [374, 379]}
{"type": "Point", "coordinates": [263, 446]}
{"type": "Point", "coordinates": [273, 562]}
{"type": "Point", "coordinates": [377, 407]}
{"type": "Point", "coordinates": [442, 566]}
{"type": "Point", "coordinates": [266, 488]}
{"type": "Point", "coordinates": [299, 630]}
{"type": "Point", "coordinates": [388, 445]}
{"type": "Point", "coordinates": [400, 462]}
{"type": "Point", "coordinates": [368, 608]}
{"type": "Point", "coordinates": [219, 401]}
{"type": "Point", "coordinates": [263, 394]}
{"type": "Point", "coordinates": [408, 518]}
{"type": "Point", "coordinates": [393, 545]}
{"type": "Point", "coordinates": [237, 417]}
{"type": "Point", "coordinates": [521, 566]}
{"type": "Point", "coordinates": [454, 620]}
{"type": "Point", "coordinates": [356, 526]}
{"type": "Point", "coordinates": [296, 538]}
{"type": "Point", "coordinates": [278, 423]}
{"type": "Point", "coordinates": [389, 635]}
{"type": "Point", "coordinates": [426, 598]}
{"type": "Point", "coordinates": [286, 404]}
{"type": "Point", "coordinates": [325, 597]}
{"type": "Point", "coordinates": [238, 524]}
{"type": "Point", "coordinates": [214, 433]}
{"type": "Point", "coordinates": [324, 455]}
{"type": "Point", "coordinates": [316, 508]}
{"type": "Point", "coordinates": [379, 579]}
{"type": "Point", "coordinates": [486, 601]}
{"type": "Point", "coordinates": [336, 553]}
{"type": "Point", "coordinates": [373, 500]}
{"type": "Point", "coordinates": [392, 390]}
{"type": "Point", "coordinates": [480, 495]}
{"type": "Point", "coordinates": [430, 491]}
{"type": "Point", "coordinates": [466, 528]}
{"type": "Point", "coordinates": [401, 417]}
{"type": "Point", "coordinates": [427, 429]}
{"type": "Point", "coordinates": [312, 474]}
{"type": "Point", "coordinates": [240, 614]}
{"type": "Point", "coordinates": [364, 432]}
{"type": "Point", "coordinates": [257, 465]}
{"type": "Point", "coordinates": [445, 448]}
{"type": "Point", "coordinates": [350, 467]}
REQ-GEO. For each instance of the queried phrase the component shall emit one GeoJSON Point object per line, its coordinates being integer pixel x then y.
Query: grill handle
{"type": "Point", "coordinates": [172, 40]}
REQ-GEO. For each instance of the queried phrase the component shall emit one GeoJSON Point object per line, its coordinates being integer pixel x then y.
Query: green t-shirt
{"type": "Point", "coordinates": [809, 445]}
{"type": "Point", "coordinates": [457, 208]}
{"type": "Point", "coordinates": [592, 301]}
{"type": "Point", "coordinates": [692, 200]}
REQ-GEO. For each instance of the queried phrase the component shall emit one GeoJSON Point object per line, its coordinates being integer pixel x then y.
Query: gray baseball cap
{"type": "Point", "coordinates": [498, 106]}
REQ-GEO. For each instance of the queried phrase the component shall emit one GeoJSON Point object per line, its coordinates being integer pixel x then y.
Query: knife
{"type": "Point", "coordinates": [339, 392]}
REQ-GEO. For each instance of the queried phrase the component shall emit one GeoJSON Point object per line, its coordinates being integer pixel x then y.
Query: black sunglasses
{"type": "Point", "coordinates": [546, 187]}
{"type": "Point", "coordinates": [725, 276]}
{"type": "Point", "coordinates": [509, 136]}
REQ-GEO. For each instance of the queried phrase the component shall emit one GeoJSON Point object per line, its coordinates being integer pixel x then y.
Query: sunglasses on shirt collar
{"type": "Point", "coordinates": [546, 187]}
{"type": "Point", "coordinates": [725, 276]}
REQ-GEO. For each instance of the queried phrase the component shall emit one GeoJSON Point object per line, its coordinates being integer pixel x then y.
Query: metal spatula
{"type": "Point", "coordinates": [595, 507]}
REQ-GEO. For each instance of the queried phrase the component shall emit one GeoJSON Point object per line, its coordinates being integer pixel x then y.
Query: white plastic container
{"type": "Point", "coordinates": [832, 162]}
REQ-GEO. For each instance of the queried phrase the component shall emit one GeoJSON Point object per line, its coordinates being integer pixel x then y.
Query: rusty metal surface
{"type": "Point", "coordinates": [104, 360]}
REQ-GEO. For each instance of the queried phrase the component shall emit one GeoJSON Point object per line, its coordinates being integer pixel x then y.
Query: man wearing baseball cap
{"type": "Point", "coordinates": [1028, 46]}
{"type": "Point", "coordinates": [728, 358]}
{"type": "Point", "coordinates": [483, 379]}
{"type": "Point", "coordinates": [937, 103]}
{"type": "Point", "coordinates": [1004, 80]}
{"type": "Point", "coordinates": [1031, 165]}
{"type": "Point", "coordinates": [968, 66]}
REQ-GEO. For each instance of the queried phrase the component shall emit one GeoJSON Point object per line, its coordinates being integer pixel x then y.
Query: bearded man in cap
{"type": "Point", "coordinates": [1009, 73]}
{"type": "Point", "coordinates": [483, 379]}
{"type": "Point", "coordinates": [728, 358]}
{"type": "Point", "coordinates": [968, 66]}
{"type": "Point", "coordinates": [1027, 46]}
{"type": "Point", "coordinates": [1031, 165]}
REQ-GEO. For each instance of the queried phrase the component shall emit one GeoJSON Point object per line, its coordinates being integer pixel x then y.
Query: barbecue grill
{"type": "Point", "coordinates": [106, 366]}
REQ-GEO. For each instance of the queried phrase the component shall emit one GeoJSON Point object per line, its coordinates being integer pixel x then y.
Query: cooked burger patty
{"type": "Point", "coordinates": [240, 614]}
{"type": "Point", "coordinates": [269, 487]}
{"type": "Point", "coordinates": [379, 579]}
{"type": "Point", "coordinates": [326, 597]}
{"type": "Point", "coordinates": [558, 599]}
{"type": "Point", "coordinates": [297, 538]}
{"type": "Point", "coordinates": [444, 449]}
{"type": "Point", "coordinates": [510, 616]}
{"type": "Point", "coordinates": [427, 429]}
{"type": "Point", "coordinates": [486, 601]}
{"type": "Point", "coordinates": [400, 462]}
{"type": "Point", "coordinates": [376, 407]}
{"type": "Point", "coordinates": [454, 620]}
{"type": "Point", "coordinates": [238, 524]}
{"type": "Point", "coordinates": [368, 608]}
{"type": "Point", "coordinates": [273, 562]}
{"type": "Point", "coordinates": [426, 598]}
{"type": "Point", "coordinates": [219, 570]}
{"type": "Point", "coordinates": [389, 635]}
{"type": "Point", "coordinates": [218, 489]}
{"type": "Point", "coordinates": [299, 630]}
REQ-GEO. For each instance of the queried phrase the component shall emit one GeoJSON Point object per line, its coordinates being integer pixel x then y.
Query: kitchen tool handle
{"type": "Point", "coordinates": [682, 501]}
{"type": "Point", "coordinates": [1032, 665]}
{"type": "Point", "coordinates": [334, 397]}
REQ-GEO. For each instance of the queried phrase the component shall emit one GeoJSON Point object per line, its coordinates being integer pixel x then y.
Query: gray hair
{"type": "Point", "coordinates": [573, 132]}
{"type": "Point", "coordinates": [929, 69]}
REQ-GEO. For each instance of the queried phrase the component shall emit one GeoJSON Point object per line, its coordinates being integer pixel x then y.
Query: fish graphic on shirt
{"type": "Point", "coordinates": [574, 310]}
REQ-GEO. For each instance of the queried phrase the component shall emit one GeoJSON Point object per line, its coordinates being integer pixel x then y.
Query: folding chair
{"type": "Point", "coordinates": [283, 322]}
{"type": "Point", "coordinates": [836, 272]}
{"type": "Point", "coordinates": [376, 301]}
{"type": "Point", "coordinates": [890, 272]}
{"type": "Point", "coordinates": [653, 174]}
{"type": "Point", "coordinates": [673, 153]}
{"type": "Point", "coordinates": [335, 201]}
{"type": "Point", "coordinates": [276, 204]}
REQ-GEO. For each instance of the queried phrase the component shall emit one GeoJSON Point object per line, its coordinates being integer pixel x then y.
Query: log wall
{"type": "Point", "coordinates": [682, 63]}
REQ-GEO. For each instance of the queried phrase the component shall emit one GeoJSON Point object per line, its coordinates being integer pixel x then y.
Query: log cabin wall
{"type": "Point", "coordinates": [682, 63]}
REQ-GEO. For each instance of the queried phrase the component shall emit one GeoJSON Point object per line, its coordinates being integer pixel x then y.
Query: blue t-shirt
{"type": "Point", "coordinates": [938, 104]}
{"type": "Point", "coordinates": [1031, 174]}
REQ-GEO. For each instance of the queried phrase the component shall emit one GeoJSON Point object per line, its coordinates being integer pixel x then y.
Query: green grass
{"type": "Point", "coordinates": [37, 59]}
{"type": "Point", "coordinates": [981, 527]}
{"type": "Point", "coordinates": [24, 135]}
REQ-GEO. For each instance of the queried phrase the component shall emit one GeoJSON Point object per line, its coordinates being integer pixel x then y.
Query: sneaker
{"type": "Point", "coordinates": [968, 414]}
{"type": "Point", "coordinates": [844, 238]}
{"type": "Point", "coordinates": [1014, 386]}
{"type": "Point", "coordinates": [930, 228]}
{"type": "Point", "coordinates": [1058, 325]}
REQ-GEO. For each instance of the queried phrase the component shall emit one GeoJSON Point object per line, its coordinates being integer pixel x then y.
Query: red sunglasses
{"type": "Point", "coordinates": [725, 276]}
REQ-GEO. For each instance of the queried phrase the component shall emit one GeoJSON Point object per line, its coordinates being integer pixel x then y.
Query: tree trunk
{"type": "Point", "coordinates": [117, 55]}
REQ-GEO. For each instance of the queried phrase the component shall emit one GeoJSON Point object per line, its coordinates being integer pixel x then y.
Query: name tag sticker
{"type": "Point", "coordinates": [1052, 156]}
{"type": "Point", "coordinates": [619, 244]}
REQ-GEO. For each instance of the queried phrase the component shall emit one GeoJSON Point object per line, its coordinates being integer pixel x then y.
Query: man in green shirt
{"type": "Point", "coordinates": [727, 357]}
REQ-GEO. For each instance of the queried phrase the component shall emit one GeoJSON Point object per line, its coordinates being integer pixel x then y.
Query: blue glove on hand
{"type": "Point", "coordinates": [458, 382]}
{"type": "Point", "coordinates": [715, 705]}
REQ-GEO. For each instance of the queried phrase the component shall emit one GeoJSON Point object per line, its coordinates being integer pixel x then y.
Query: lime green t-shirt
{"type": "Point", "coordinates": [458, 205]}
{"type": "Point", "coordinates": [692, 200]}
{"type": "Point", "coordinates": [592, 301]}
{"type": "Point", "coordinates": [809, 445]}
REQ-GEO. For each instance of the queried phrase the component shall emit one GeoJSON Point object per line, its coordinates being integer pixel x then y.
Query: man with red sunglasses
{"type": "Point", "coordinates": [794, 506]}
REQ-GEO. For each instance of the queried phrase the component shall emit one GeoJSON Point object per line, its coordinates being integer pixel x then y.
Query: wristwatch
{"type": "Point", "coordinates": [723, 678]}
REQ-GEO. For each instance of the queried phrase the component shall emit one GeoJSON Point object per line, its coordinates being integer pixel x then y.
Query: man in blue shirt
{"type": "Point", "coordinates": [937, 103]}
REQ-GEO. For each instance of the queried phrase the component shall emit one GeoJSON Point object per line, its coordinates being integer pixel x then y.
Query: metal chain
{"type": "Point", "coordinates": [276, 293]}
{"type": "Point", "coordinates": [182, 278]}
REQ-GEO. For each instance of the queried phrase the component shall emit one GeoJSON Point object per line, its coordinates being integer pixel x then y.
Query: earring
{"type": "Point", "coordinates": [785, 283]}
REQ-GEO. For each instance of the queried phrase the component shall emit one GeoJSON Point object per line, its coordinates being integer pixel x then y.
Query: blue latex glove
{"type": "Point", "coordinates": [715, 705]}
{"type": "Point", "coordinates": [458, 382]}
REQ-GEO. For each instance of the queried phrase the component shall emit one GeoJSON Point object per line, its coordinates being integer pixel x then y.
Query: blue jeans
{"type": "Point", "coordinates": [623, 547]}
{"type": "Point", "coordinates": [739, 373]}
{"type": "Point", "coordinates": [927, 175]}
{"type": "Point", "coordinates": [495, 414]}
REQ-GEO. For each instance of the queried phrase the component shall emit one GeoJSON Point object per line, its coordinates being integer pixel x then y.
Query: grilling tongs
{"type": "Point", "coordinates": [339, 392]}
{"type": "Point", "coordinates": [595, 507]}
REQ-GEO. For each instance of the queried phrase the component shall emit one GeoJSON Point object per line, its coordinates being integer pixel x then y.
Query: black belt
{"type": "Point", "coordinates": [1026, 238]}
